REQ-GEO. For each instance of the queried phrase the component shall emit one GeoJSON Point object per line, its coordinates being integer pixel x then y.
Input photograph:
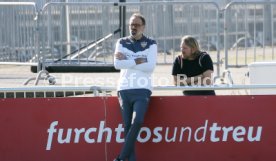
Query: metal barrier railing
{"type": "Point", "coordinates": [53, 91]}
{"type": "Point", "coordinates": [17, 36]}
{"type": "Point", "coordinates": [69, 27]}
{"type": "Point", "coordinates": [66, 27]}
{"type": "Point", "coordinates": [71, 91]}
{"type": "Point", "coordinates": [249, 32]}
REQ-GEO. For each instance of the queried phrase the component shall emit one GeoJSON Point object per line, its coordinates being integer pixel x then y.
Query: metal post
{"type": "Point", "coordinates": [122, 10]}
{"type": "Point", "coordinates": [267, 24]}
{"type": "Point", "coordinates": [39, 41]}
{"type": "Point", "coordinates": [225, 37]}
{"type": "Point", "coordinates": [65, 29]}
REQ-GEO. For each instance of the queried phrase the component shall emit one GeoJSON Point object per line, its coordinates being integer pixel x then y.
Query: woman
{"type": "Point", "coordinates": [193, 67]}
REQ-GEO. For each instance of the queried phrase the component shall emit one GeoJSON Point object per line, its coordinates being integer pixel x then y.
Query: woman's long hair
{"type": "Point", "coordinates": [193, 44]}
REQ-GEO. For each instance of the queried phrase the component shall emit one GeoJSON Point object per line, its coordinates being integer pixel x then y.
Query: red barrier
{"type": "Point", "coordinates": [228, 128]}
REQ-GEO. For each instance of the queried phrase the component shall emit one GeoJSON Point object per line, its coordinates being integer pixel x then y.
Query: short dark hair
{"type": "Point", "coordinates": [139, 15]}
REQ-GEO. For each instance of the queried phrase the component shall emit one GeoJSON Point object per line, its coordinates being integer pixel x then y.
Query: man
{"type": "Point", "coordinates": [136, 56]}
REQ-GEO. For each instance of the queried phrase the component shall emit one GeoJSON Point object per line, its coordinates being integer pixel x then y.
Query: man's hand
{"type": "Point", "coordinates": [140, 60]}
{"type": "Point", "coordinates": [120, 56]}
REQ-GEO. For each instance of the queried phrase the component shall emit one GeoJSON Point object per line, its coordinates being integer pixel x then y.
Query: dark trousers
{"type": "Point", "coordinates": [134, 105]}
